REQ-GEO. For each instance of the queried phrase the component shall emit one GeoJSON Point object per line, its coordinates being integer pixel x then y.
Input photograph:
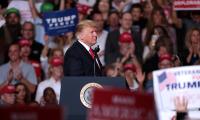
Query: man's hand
{"type": "Point", "coordinates": [19, 76]}
{"type": "Point", "coordinates": [10, 75]}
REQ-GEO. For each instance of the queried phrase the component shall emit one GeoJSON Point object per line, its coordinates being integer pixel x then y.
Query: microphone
{"type": "Point", "coordinates": [96, 49]}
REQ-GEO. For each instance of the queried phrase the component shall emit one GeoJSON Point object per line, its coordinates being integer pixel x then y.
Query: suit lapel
{"type": "Point", "coordinates": [85, 52]}
{"type": "Point", "coordinates": [89, 57]}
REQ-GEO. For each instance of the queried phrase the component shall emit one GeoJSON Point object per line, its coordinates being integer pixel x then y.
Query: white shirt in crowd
{"type": "Point", "coordinates": [56, 85]}
{"type": "Point", "coordinates": [101, 41]}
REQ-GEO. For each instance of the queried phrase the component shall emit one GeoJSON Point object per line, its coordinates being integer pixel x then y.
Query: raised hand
{"type": "Point", "coordinates": [46, 39]}
{"type": "Point", "coordinates": [191, 50]}
{"type": "Point", "coordinates": [180, 104]}
{"type": "Point", "coordinates": [140, 77]}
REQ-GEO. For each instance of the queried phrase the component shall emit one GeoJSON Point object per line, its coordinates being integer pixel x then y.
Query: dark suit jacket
{"type": "Point", "coordinates": [78, 62]}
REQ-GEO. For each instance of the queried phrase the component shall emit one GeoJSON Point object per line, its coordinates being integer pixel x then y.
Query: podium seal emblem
{"type": "Point", "coordinates": [86, 93]}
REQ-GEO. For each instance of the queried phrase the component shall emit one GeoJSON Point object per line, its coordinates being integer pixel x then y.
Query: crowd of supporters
{"type": "Point", "coordinates": [135, 38]}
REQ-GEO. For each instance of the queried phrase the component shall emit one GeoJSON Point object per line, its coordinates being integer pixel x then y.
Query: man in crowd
{"type": "Point", "coordinates": [10, 32]}
{"type": "Point", "coordinates": [28, 33]}
{"type": "Point", "coordinates": [165, 61]}
{"type": "Point", "coordinates": [13, 27]}
{"type": "Point", "coordinates": [139, 22]}
{"type": "Point", "coordinates": [7, 94]}
{"type": "Point", "coordinates": [16, 70]}
{"type": "Point", "coordinates": [80, 59]}
{"type": "Point", "coordinates": [25, 53]}
{"type": "Point", "coordinates": [112, 46]}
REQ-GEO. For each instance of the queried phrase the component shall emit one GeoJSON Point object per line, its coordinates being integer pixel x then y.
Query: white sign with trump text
{"type": "Point", "coordinates": [177, 82]}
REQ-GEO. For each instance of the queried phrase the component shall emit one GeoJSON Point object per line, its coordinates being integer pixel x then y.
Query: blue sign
{"type": "Point", "coordinates": [59, 22]}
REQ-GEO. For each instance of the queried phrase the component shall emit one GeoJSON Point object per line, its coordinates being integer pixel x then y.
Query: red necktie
{"type": "Point", "coordinates": [92, 53]}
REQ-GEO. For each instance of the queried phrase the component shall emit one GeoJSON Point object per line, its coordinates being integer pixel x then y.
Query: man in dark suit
{"type": "Point", "coordinates": [79, 59]}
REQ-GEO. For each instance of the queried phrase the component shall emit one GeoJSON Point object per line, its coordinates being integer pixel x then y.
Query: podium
{"type": "Point", "coordinates": [76, 93]}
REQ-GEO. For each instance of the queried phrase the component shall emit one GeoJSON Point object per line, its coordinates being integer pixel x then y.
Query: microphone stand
{"type": "Point", "coordinates": [94, 66]}
{"type": "Point", "coordinates": [96, 50]}
{"type": "Point", "coordinates": [98, 60]}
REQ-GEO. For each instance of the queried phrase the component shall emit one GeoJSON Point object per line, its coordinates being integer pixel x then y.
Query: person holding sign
{"type": "Point", "coordinates": [80, 59]}
{"type": "Point", "coordinates": [181, 108]}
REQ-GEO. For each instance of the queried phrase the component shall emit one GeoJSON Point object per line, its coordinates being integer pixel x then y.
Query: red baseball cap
{"type": "Point", "coordinates": [166, 56]}
{"type": "Point", "coordinates": [82, 8]}
{"type": "Point", "coordinates": [8, 89]}
{"type": "Point", "coordinates": [24, 42]}
{"type": "Point", "coordinates": [125, 37]}
{"type": "Point", "coordinates": [56, 61]}
{"type": "Point", "coordinates": [129, 66]}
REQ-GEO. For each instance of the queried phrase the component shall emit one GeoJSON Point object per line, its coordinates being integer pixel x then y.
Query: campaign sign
{"type": "Point", "coordinates": [59, 22]}
{"type": "Point", "coordinates": [118, 104]}
{"type": "Point", "coordinates": [186, 4]}
{"type": "Point", "coordinates": [89, 3]}
{"type": "Point", "coordinates": [24, 8]}
{"type": "Point", "coordinates": [31, 113]}
{"type": "Point", "coordinates": [174, 82]}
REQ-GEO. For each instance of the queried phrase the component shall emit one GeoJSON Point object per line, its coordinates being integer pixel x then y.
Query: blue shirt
{"type": "Point", "coordinates": [26, 69]}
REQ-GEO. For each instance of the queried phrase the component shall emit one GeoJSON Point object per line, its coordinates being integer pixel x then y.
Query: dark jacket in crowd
{"type": "Point", "coordinates": [112, 47]}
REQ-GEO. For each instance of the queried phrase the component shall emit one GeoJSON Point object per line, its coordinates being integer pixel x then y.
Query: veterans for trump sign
{"type": "Point", "coordinates": [59, 22]}
{"type": "Point", "coordinates": [118, 104]}
{"type": "Point", "coordinates": [186, 4]}
{"type": "Point", "coordinates": [181, 82]}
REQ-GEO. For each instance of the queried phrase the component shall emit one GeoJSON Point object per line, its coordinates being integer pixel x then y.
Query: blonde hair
{"type": "Point", "coordinates": [189, 35]}
{"type": "Point", "coordinates": [83, 24]}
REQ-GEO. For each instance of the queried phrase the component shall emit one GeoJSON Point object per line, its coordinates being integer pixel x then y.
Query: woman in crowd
{"type": "Point", "coordinates": [192, 42]}
{"type": "Point", "coordinates": [104, 7]}
{"type": "Point", "coordinates": [49, 96]}
{"type": "Point", "coordinates": [163, 46]}
{"type": "Point", "coordinates": [23, 96]}
{"type": "Point", "coordinates": [158, 18]}
{"type": "Point", "coordinates": [46, 54]}
{"type": "Point", "coordinates": [56, 74]}
{"type": "Point", "coordinates": [150, 42]}
{"type": "Point", "coordinates": [65, 41]}
{"type": "Point", "coordinates": [111, 70]}
{"type": "Point", "coordinates": [148, 7]}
